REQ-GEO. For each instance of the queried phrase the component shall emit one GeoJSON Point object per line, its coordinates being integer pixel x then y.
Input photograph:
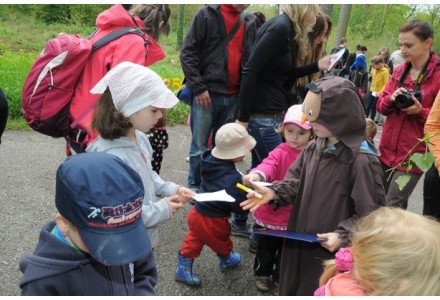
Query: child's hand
{"type": "Point", "coordinates": [333, 241]}
{"type": "Point", "coordinates": [174, 203]}
{"type": "Point", "coordinates": [253, 202]}
{"type": "Point", "coordinates": [184, 194]}
{"type": "Point", "coordinates": [247, 179]}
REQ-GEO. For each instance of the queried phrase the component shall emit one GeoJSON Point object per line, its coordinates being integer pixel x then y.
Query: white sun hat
{"type": "Point", "coordinates": [134, 87]}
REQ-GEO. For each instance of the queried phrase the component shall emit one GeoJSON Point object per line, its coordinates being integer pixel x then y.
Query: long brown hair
{"type": "Point", "coordinates": [107, 120]}
{"type": "Point", "coordinates": [151, 15]}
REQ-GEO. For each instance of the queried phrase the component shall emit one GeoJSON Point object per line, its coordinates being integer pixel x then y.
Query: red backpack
{"type": "Point", "coordinates": [50, 84]}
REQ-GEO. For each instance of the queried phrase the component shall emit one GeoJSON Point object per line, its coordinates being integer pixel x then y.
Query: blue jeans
{"type": "Point", "coordinates": [263, 131]}
{"type": "Point", "coordinates": [223, 110]}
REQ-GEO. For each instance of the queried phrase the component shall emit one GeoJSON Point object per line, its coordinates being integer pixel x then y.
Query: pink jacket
{"type": "Point", "coordinates": [401, 131]}
{"type": "Point", "coordinates": [274, 167]}
{"type": "Point", "coordinates": [341, 285]}
{"type": "Point", "coordinates": [129, 47]}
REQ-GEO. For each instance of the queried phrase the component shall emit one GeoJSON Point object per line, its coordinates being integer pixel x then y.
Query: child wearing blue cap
{"type": "Point", "coordinates": [97, 244]}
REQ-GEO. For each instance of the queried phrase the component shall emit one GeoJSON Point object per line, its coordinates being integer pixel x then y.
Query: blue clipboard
{"type": "Point", "coordinates": [306, 237]}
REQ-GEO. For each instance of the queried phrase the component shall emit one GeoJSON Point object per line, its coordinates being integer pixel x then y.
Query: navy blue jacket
{"type": "Point", "coordinates": [218, 174]}
{"type": "Point", "coordinates": [57, 269]}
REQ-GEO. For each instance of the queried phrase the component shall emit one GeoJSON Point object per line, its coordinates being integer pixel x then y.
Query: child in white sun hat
{"type": "Point", "coordinates": [269, 248]}
{"type": "Point", "coordinates": [208, 221]}
{"type": "Point", "coordinates": [132, 96]}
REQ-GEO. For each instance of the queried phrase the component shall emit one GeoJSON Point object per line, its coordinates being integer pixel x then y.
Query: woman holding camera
{"type": "Point", "coordinates": [406, 101]}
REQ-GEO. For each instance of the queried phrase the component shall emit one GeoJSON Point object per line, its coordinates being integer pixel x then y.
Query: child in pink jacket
{"type": "Point", "coordinates": [273, 168]}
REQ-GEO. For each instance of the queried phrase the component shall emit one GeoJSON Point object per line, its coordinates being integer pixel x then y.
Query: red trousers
{"type": "Point", "coordinates": [213, 232]}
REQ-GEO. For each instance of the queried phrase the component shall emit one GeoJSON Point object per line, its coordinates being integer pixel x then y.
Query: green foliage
{"type": "Point", "coordinates": [77, 14]}
{"type": "Point", "coordinates": [85, 14]}
{"type": "Point", "coordinates": [15, 67]}
{"type": "Point", "coordinates": [53, 13]}
{"type": "Point", "coordinates": [24, 29]}
{"type": "Point", "coordinates": [402, 181]}
{"type": "Point", "coordinates": [422, 161]}
{"type": "Point", "coordinates": [178, 114]}
{"type": "Point", "coordinates": [377, 26]}
{"type": "Point", "coordinates": [180, 24]}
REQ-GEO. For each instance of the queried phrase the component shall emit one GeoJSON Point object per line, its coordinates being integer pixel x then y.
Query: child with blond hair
{"type": "Point", "coordinates": [370, 130]}
{"type": "Point", "coordinates": [394, 253]}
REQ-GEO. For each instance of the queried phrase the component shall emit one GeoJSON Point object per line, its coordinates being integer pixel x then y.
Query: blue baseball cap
{"type": "Point", "coordinates": [102, 196]}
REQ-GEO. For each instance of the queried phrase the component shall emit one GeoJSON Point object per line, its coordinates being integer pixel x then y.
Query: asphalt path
{"type": "Point", "coordinates": [28, 162]}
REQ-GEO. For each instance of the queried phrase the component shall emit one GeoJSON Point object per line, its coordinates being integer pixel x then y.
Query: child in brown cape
{"type": "Point", "coordinates": [336, 180]}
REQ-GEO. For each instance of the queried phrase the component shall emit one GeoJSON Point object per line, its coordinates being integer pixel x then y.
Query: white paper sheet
{"type": "Point", "coordinates": [262, 183]}
{"type": "Point", "coordinates": [215, 196]}
{"type": "Point", "coordinates": [335, 57]}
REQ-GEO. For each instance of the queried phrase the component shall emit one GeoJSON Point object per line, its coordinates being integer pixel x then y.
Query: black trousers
{"type": "Point", "coordinates": [4, 109]}
{"type": "Point", "coordinates": [431, 193]}
{"type": "Point", "coordinates": [268, 257]}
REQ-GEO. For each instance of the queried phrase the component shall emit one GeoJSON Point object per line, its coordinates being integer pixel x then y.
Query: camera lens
{"type": "Point", "coordinates": [403, 100]}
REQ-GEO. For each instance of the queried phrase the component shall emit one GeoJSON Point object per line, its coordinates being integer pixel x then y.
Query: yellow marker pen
{"type": "Point", "coordinates": [248, 190]}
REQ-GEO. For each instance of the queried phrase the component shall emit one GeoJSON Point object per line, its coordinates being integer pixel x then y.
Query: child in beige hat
{"type": "Point", "coordinates": [208, 221]}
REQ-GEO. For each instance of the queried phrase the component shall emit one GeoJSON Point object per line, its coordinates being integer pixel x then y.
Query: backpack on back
{"type": "Point", "coordinates": [51, 81]}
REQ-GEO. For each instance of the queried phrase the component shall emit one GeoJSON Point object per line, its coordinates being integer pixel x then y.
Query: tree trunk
{"type": "Point", "coordinates": [180, 25]}
{"type": "Point", "coordinates": [327, 9]}
{"type": "Point", "coordinates": [344, 17]}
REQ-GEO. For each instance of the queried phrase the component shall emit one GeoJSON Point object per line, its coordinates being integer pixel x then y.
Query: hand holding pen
{"type": "Point", "coordinates": [256, 197]}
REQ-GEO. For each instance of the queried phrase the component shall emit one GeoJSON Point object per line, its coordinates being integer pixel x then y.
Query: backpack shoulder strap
{"type": "Point", "coordinates": [223, 43]}
{"type": "Point", "coordinates": [100, 43]}
{"type": "Point", "coordinates": [115, 35]}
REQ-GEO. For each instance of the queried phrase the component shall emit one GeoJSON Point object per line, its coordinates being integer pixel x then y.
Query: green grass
{"type": "Point", "coordinates": [18, 123]}
{"type": "Point", "coordinates": [20, 44]}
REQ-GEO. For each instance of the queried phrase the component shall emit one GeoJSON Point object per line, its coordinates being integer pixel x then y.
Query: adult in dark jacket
{"type": "Point", "coordinates": [215, 88]}
{"type": "Point", "coordinates": [336, 180]}
{"type": "Point", "coordinates": [271, 72]}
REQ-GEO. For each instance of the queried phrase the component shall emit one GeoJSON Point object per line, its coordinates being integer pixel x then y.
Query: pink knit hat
{"type": "Point", "coordinates": [294, 116]}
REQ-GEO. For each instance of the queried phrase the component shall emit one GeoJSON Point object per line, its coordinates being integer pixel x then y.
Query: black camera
{"type": "Point", "coordinates": [405, 100]}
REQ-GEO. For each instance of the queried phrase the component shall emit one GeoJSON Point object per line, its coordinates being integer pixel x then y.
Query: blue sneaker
{"type": "Point", "coordinates": [229, 261]}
